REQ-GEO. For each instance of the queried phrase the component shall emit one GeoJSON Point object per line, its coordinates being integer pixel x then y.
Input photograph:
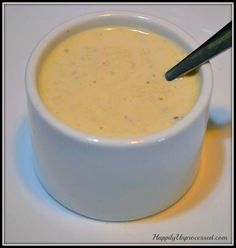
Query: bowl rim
{"type": "Point", "coordinates": [80, 136]}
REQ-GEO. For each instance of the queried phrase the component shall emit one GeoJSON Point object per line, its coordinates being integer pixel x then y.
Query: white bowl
{"type": "Point", "coordinates": [116, 179]}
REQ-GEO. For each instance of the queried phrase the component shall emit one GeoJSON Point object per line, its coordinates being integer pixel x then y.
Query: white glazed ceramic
{"type": "Point", "coordinates": [116, 179]}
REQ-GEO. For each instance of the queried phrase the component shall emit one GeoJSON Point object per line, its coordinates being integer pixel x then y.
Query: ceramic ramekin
{"type": "Point", "coordinates": [116, 179]}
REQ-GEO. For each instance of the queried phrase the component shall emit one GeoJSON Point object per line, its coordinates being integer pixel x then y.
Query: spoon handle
{"type": "Point", "coordinates": [213, 46]}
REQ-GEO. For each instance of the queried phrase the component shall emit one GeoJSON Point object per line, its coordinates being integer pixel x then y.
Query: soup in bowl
{"type": "Point", "coordinates": [112, 138]}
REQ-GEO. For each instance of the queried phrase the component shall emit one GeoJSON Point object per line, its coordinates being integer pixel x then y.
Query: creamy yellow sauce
{"type": "Point", "coordinates": [110, 82]}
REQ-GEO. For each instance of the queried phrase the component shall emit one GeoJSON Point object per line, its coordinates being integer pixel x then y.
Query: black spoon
{"type": "Point", "coordinates": [213, 46]}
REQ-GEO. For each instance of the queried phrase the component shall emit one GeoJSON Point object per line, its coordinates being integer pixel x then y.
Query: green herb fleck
{"type": "Point", "coordinates": [176, 117]}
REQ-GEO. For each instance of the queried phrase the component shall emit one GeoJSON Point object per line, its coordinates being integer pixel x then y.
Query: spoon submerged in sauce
{"type": "Point", "coordinates": [219, 42]}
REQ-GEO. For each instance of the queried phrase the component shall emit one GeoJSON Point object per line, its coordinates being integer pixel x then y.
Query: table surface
{"type": "Point", "coordinates": [32, 216]}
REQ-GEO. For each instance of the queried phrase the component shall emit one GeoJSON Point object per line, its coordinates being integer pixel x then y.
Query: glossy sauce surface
{"type": "Point", "coordinates": [110, 82]}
